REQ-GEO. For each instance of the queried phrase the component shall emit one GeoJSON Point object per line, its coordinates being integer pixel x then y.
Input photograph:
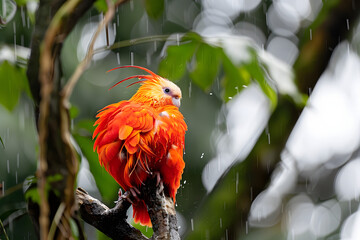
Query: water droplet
{"type": "Point", "coordinates": [132, 58]}
{"type": "Point", "coordinates": [220, 223]}
{"type": "Point", "coordinates": [244, 86]}
{"type": "Point", "coordinates": [148, 58]}
{"type": "Point", "coordinates": [310, 32]}
{"type": "Point", "coordinates": [347, 24]}
{"type": "Point", "coordinates": [114, 28]}
{"type": "Point", "coordinates": [190, 90]}
{"type": "Point", "coordinates": [184, 182]}
{"type": "Point", "coordinates": [211, 93]}
{"type": "Point", "coordinates": [230, 98]}
{"type": "Point", "coordinates": [23, 16]}
{"type": "Point", "coordinates": [118, 58]}
{"type": "Point", "coordinates": [18, 160]}
{"type": "Point", "coordinates": [8, 166]}
{"type": "Point", "coordinates": [16, 177]}
{"type": "Point", "coordinates": [202, 155]}
{"type": "Point", "coordinates": [237, 182]}
{"type": "Point", "coordinates": [177, 39]}
{"type": "Point", "coordinates": [192, 224]}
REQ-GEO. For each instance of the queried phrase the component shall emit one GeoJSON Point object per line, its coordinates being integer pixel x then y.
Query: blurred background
{"type": "Point", "coordinates": [270, 95]}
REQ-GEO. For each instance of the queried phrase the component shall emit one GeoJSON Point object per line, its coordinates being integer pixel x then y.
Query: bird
{"type": "Point", "coordinates": [143, 137]}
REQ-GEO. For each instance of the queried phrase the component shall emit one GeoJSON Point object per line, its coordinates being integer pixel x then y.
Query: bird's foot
{"type": "Point", "coordinates": [132, 195]}
{"type": "Point", "coordinates": [159, 182]}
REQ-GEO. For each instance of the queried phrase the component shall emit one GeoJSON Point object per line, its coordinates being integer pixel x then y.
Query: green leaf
{"type": "Point", "coordinates": [74, 229]}
{"type": "Point", "coordinates": [7, 11]}
{"type": "Point", "coordinates": [74, 111]}
{"type": "Point", "coordinates": [21, 2]}
{"type": "Point", "coordinates": [154, 8]}
{"type": "Point", "coordinates": [173, 66]}
{"type": "Point", "coordinates": [100, 5]}
{"type": "Point", "coordinates": [235, 78]}
{"type": "Point", "coordinates": [207, 66]}
{"type": "Point", "coordinates": [147, 231]}
{"type": "Point", "coordinates": [105, 183]}
{"type": "Point", "coordinates": [33, 194]}
{"type": "Point", "coordinates": [12, 81]}
{"type": "Point", "coordinates": [258, 73]}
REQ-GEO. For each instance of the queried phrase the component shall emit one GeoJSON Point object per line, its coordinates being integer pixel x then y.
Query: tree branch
{"type": "Point", "coordinates": [112, 222]}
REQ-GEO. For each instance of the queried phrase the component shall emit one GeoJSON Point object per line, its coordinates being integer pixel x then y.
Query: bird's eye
{"type": "Point", "coordinates": [166, 90]}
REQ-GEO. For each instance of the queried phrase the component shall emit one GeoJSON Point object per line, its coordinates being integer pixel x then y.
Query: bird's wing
{"type": "Point", "coordinates": [124, 132]}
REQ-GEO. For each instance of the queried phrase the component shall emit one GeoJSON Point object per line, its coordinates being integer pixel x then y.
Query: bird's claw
{"type": "Point", "coordinates": [130, 195]}
{"type": "Point", "coordinates": [158, 178]}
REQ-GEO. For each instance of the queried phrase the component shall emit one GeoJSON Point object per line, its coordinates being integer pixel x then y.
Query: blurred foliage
{"type": "Point", "coordinates": [211, 55]}
{"type": "Point", "coordinates": [213, 67]}
{"type": "Point", "coordinates": [154, 8]}
{"type": "Point", "coordinates": [13, 82]}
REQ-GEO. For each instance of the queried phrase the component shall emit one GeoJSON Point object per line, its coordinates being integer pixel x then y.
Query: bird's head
{"type": "Point", "coordinates": [154, 90]}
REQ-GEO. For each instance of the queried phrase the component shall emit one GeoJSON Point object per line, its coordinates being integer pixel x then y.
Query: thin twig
{"type": "Point", "coordinates": [68, 88]}
{"type": "Point", "coordinates": [3, 229]}
{"type": "Point", "coordinates": [56, 221]}
{"type": "Point", "coordinates": [131, 42]}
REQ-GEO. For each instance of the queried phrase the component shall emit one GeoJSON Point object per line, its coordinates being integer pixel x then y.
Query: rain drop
{"type": "Point", "coordinates": [177, 39]}
{"type": "Point", "coordinates": [3, 188]}
{"type": "Point", "coordinates": [184, 182]}
{"type": "Point", "coordinates": [192, 224]}
{"type": "Point", "coordinates": [148, 58]}
{"type": "Point", "coordinates": [118, 58]}
{"type": "Point", "coordinates": [230, 98]}
{"type": "Point", "coordinates": [244, 86]}
{"type": "Point", "coordinates": [247, 227]}
{"type": "Point", "coordinates": [16, 177]}
{"type": "Point", "coordinates": [23, 16]}
{"type": "Point", "coordinates": [18, 160]}
{"type": "Point", "coordinates": [190, 90]}
{"type": "Point", "coordinates": [8, 166]}
{"type": "Point", "coordinates": [211, 93]}
{"type": "Point", "coordinates": [114, 27]}
{"type": "Point", "coordinates": [132, 58]}
{"type": "Point", "coordinates": [310, 34]}
{"type": "Point", "coordinates": [237, 182]}
{"type": "Point", "coordinates": [220, 222]}
{"type": "Point", "coordinates": [347, 24]}
{"type": "Point", "coordinates": [202, 155]}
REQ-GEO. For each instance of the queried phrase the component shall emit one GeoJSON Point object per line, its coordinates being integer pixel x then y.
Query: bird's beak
{"type": "Point", "coordinates": [176, 101]}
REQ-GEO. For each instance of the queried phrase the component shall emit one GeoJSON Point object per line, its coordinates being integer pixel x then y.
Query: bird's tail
{"type": "Point", "coordinates": [140, 214]}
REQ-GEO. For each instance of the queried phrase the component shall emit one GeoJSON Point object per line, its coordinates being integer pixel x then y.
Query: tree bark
{"type": "Point", "coordinates": [58, 162]}
{"type": "Point", "coordinates": [112, 222]}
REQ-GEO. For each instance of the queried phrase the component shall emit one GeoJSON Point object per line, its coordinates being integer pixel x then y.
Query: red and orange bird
{"type": "Point", "coordinates": [144, 135]}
